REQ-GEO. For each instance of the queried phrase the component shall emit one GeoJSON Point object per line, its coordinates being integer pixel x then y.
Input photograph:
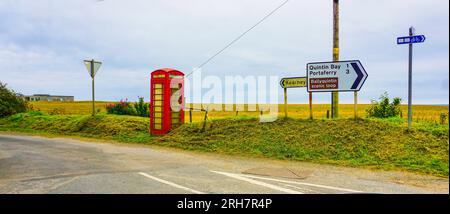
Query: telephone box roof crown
{"type": "Point", "coordinates": [170, 71]}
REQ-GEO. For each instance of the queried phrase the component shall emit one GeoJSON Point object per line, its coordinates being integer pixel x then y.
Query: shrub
{"type": "Point", "coordinates": [142, 108]}
{"type": "Point", "coordinates": [121, 108]}
{"type": "Point", "coordinates": [58, 111]}
{"type": "Point", "coordinates": [384, 108]}
{"type": "Point", "coordinates": [10, 102]}
{"type": "Point", "coordinates": [139, 108]}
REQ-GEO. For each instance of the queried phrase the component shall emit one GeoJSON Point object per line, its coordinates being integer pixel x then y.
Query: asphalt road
{"type": "Point", "coordinates": [42, 165]}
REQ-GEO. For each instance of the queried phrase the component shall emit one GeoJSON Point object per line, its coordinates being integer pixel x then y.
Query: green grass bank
{"type": "Point", "coordinates": [373, 143]}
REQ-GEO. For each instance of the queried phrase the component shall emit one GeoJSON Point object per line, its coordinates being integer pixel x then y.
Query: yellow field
{"type": "Point", "coordinates": [420, 112]}
{"type": "Point", "coordinates": [78, 108]}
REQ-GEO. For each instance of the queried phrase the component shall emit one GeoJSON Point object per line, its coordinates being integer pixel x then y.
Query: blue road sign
{"type": "Point", "coordinates": [410, 39]}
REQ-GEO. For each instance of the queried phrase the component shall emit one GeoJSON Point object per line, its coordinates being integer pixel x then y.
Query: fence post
{"type": "Point", "coordinates": [328, 114]}
{"type": "Point", "coordinates": [443, 118]}
{"type": "Point", "coordinates": [204, 122]}
{"type": "Point", "coordinates": [190, 115]}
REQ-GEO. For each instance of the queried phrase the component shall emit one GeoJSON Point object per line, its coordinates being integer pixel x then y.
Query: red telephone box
{"type": "Point", "coordinates": [166, 100]}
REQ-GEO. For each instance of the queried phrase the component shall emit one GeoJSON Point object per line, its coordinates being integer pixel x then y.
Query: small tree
{"type": "Point", "coordinates": [142, 108]}
{"type": "Point", "coordinates": [10, 102]}
{"type": "Point", "coordinates": [384, 108]}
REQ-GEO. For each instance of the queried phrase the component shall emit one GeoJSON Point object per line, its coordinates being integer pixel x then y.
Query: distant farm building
{"type": "Point", "coordinates": [48, 97]}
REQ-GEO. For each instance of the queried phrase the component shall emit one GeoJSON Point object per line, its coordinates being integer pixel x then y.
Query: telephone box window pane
{"type": "Point", "coordinates": [157, 126]}
{"type": "Point", "coordinates": [175, 121]}
{"type": "Point", "coordinates": [158, 85]}
{"type": "Point", "coordinates": [157, 120]}
{"type": "Point", "coordinates": [159, 109]}
{"type": "Point", "coordinates": [158, 91]}
{"type": "Point", "coordinates": [175, 114]}
{"type": "Point", "coordinates": [158, 97]}
{"type": "Point", "coordinates": [158, 103]}
{"type": "Point", "coordinates": [157, 114]}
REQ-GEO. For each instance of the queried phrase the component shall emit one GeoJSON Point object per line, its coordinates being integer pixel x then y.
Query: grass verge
{"type": "Point", "coordinates": [370, 143]}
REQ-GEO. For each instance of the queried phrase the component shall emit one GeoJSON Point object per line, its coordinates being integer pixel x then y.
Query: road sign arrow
{"type": "Point", "coordinates": [360, 73]}
{"type": "Point", "coordinates": [282, 82]}
{"type": "Point", "coordinates": [422, 38]}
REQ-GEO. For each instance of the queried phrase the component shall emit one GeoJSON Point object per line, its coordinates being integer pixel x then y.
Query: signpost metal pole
{"type": "Point", "coordinates": [356, 104]}
{"type": "Point", "coordinates": [335, 95]}
{"type": "Point", "coordinates": [310, 106]}
{"type": "Point", "coordinates": [410, 40]}
{"type": "Point", "coordinates": [411, 33]}
{"type": "Point", "coordinates": [285, 103]}
{"type": "Point", "coordinates": [93, 86]}
{"type": "Point", "coordinates": [92, 66]}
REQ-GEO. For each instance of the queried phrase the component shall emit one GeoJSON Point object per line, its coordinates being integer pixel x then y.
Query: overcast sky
{"type": "Point", "coordinates": [43, 43]}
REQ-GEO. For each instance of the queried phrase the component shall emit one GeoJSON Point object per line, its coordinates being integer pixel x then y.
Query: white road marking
{"type": "Point", "coordinates": [170, 183]}
{"type": "Point", "coordinates": [63, 183]}
{"type": "Point", "coordinates": [303, 189]}
{"type": "Point", "coordinates": [294, 182]}
{"type": "Point", "coordinates": [305, 184]}
{"type": "Point", "coordinates": [239, 177]}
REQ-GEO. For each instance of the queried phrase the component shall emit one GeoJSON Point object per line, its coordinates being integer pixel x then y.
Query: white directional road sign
{"type": "Point", "coordinates": [89, 67]}
{"type": "Point", "coordinates": [335, 76]}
